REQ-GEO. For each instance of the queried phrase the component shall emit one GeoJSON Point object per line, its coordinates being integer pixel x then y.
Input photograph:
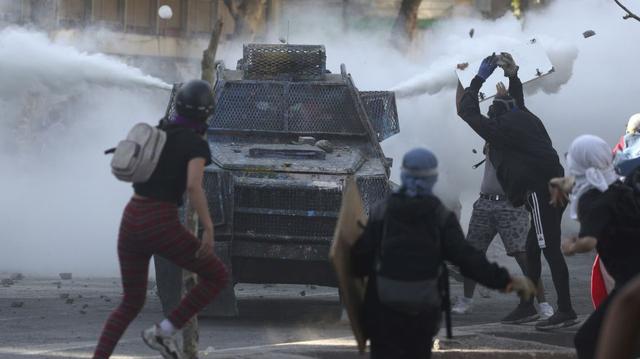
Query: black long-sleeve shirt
{"type": "Point", "coordinates": [521, 149]}
{"type": "Point", "coordinates": [421, 214]}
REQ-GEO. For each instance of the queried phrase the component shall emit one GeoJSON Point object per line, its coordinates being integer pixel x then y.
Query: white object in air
{"type": "Point", "coordinates": [531, 57]}
{"type": "Point", "coordinates": [165, 12]}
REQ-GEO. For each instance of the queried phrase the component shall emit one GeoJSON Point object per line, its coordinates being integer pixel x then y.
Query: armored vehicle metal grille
{"type": "Point", "coordinates": [250, 106]}
{"type": "Point", "coordinates": [288, 198]}
{"type": "Point", "coordinates": [171, 107]}
{"type": "Point", "coordinates": [317, 229]}
{"type": "Point", "coordinates": [285, 211]}
{"type": "Point", "coordinates": [372, 189]}
{"type": "Point", "coordinates": [215, 191]}
{"type": "Point", "coordinates": [382, 112]}
{"type": "Point", "coordinates": [293, 108]}
{"type": "Point", "coordinates": [324, 109]}
{"type": "Point", "coordinates": [273, 61]}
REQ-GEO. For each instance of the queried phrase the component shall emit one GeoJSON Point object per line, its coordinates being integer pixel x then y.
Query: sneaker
{"type": "Point", "coordinates": [462, 306]}
{"type": "Point", "coordinates": [523, 313]}
{"type": "Point", "coordinates": [166, 345]}
{"type": "Point", "coordinates": [484, 291]}
{"type": "Point", "coordinates": [558, 320]}
{"type": "Point", "coordinates": [546, 310]}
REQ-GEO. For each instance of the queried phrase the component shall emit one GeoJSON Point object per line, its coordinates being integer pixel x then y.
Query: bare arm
{"type": "Point", "coordinates": [621, 324]}
{"type": "Point", "coordinates": [198, 200]}
{"type": "Point", "coordinates": [575, 245]}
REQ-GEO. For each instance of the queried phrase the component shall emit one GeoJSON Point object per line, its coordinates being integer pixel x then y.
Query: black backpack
{"type": "Point", "coordinates": [407, 292]}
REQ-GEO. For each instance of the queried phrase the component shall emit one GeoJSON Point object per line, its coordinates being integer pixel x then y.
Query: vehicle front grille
{"type": "Point", "coordinates": [215, 191]}
{"type": "Point", "coordinates": [270, 226]}
{"type": "Point", "coordinates": [286, 212]}
{"type": "Point", "coordinates": [288, 198]}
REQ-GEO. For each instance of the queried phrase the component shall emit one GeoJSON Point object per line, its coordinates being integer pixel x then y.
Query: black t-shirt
{"type": "Point", "coordinates": [614, 220]}
{"type": "Point", "coordinates": [169, 180]}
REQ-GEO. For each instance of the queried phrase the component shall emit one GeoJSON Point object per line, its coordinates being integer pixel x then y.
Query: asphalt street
{"type": "Point", "coordinates": [47, 317]}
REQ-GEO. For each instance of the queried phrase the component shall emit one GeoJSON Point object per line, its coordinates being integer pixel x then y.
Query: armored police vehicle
{"type": "Point", "coordinates": [285, 135]}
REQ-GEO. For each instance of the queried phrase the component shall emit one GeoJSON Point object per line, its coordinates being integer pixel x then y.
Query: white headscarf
{"type": "Point", "coordinates": [590, 161]}
{"type": "Point", "coordinates": [633, 125]}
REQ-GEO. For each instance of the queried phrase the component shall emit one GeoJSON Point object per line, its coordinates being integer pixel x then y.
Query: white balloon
{"type": "Point", "coordinates": [165, 12]}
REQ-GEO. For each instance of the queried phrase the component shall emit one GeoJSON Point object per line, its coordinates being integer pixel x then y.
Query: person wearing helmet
{"type": "Point", "coordinates": [525, 160]}
{"type": "Point", "coordinates": [633, 127]}
{"type": "Point", "coordinates": [402, 250]}
{"type": "Point", "coordinates": [627, 152]}
{"type": "Point", "coordinates": [150, 226]}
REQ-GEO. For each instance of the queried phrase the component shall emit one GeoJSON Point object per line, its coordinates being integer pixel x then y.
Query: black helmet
{"type": "Point", "coordinates": [194, 100]}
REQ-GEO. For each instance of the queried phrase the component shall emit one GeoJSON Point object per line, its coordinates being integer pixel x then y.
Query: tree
{"type": "Point", "coordinates": [404, 28]}
{"type": "Point", "coordinates": [249, 16]}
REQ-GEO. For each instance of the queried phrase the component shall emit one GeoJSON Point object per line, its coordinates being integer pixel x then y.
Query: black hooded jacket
{"type": "Point", "coordinates": [521, 150]}
{"type": "Point", "coordinates": [420, 214]}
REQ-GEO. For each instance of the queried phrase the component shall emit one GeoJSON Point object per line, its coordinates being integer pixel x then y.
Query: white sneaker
{"type": "Point", "coordinates": [462, 306]}
{"type": "Point", "coordinates": [166, 345]}
{"type": "Point", "coordinates": [545, 310]}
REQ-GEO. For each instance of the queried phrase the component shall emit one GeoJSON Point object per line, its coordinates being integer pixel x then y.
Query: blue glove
{"type": "Point", "coordinates": [488, 65]}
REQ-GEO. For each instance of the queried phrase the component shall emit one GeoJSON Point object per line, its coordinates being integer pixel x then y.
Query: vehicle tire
{"type": "Point", "coordinates": [169, 284]}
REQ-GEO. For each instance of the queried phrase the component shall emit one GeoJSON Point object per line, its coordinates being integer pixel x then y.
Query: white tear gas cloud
{"type": "Point", "coordinates": [61, 109]}
{"type": "Point", "coordinates": [593, 90]}
{"type": "Point", "coordinates": [61, 206]}
{"type": "Point", "coordinates": [55, 67]}
{"type": "Point", "coordinates": [441, 75]}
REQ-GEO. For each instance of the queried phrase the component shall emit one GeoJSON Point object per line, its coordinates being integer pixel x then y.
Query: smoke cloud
{"type": "Point", "coordinates": [61, 109]}
{"type": "Point", "coordinates": [61, 206]}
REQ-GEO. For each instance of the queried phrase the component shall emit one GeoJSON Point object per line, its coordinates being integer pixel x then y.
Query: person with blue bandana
{"type": "Point", "coordinates": [403, 250]}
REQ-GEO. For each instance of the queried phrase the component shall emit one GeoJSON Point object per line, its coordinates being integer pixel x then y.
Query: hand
{"type": "Point", "coordinates": [206, 245]}
{"type": "Point", "coordinates": [501, 90]}
{"type": "Point", "coordinates": [508, 64]}
{"type": "Point", "coordinates": [487, 66]}
{"type": "Point", "coordinates": [523, 286]}
{"type": "Point", "coordinates": [568, 246]}
{"type": "Point", "coordinates": [559, 189]}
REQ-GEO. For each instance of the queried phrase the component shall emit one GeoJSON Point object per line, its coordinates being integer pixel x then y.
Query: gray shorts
{"type": "Point", "coordinates": [498, 217]}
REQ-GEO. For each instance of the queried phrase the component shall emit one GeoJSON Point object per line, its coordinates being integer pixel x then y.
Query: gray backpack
{"type": "Point", "coordinates": [136, 157]}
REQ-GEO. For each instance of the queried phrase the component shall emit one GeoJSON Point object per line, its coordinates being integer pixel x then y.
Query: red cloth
{"type": "Point", "coordinates": [619, 146]}
{"type": "Point", "coordinates": [598, 288]}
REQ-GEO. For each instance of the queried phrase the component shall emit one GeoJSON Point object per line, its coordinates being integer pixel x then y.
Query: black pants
{"type": "Point", "coordinates": [546, 219]}
{"type": "Point", "coordinates": [401, 336]}
{"type": "Point", "coordinates": [586, 338]}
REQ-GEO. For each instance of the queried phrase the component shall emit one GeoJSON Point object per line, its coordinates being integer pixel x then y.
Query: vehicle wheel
{"type": "Point", "coordinates": [169, 284]}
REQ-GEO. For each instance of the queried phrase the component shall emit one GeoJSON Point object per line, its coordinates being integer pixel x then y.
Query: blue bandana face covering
{"type": "Point", "coordinates": [419, 173]}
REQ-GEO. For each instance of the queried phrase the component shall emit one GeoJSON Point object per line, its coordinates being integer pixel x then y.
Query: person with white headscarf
{"type": "Point", "coordinates": [590, 162]}
{"type": "Point", "coordinates": [609, 217]}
